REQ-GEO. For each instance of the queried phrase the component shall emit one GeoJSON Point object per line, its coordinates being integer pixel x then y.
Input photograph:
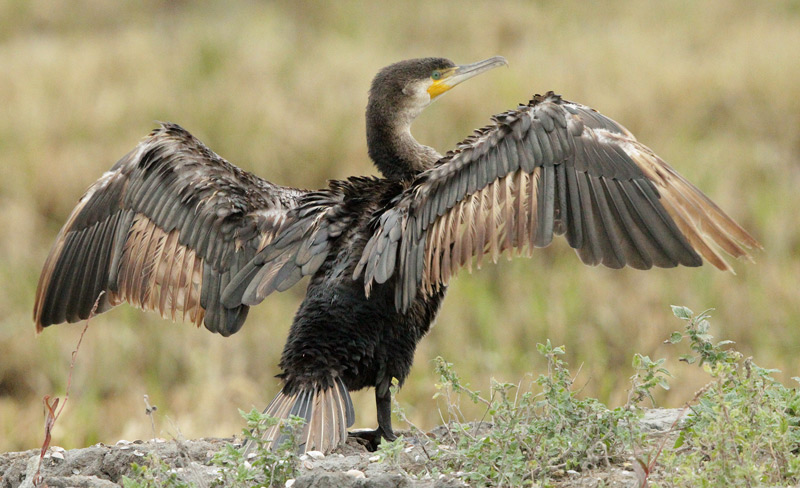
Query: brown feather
{"type": "Point", "coordinates": [568, 170]}
{"type": "Point", "coordinates": [165, 272]}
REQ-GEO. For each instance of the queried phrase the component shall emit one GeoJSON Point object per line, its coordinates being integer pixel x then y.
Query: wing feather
{"type": "Point", "coordinates": [549, 167]}
{"type": "Point", "coordinates": [159, 231]}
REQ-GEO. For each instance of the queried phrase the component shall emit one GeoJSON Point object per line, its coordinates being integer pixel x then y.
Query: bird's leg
{"type": "Point", "coordinates": [371, 438]}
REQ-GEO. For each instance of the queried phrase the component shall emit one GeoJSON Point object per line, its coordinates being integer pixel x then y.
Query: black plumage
{"type": "Point", "coordinates": [174, 228]}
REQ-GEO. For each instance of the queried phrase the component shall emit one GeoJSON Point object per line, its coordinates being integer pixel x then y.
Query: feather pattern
{"type": "Point", "coordinates": [164, 229]}
{"type": "Point", "coordinates": [549, 167]}
{"type": "Point", "coordinates": [326, 409]}
{"type": "Point", "coordinates": [305, 240]}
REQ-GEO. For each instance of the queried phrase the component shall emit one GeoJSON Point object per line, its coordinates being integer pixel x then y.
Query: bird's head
{"type": "Point", "coordinates": [403, 90]}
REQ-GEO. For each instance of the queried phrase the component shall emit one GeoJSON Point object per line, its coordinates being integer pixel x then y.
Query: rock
{"type": "Point", "coordinates": [102, 466]}
{"type": "Point", "coordinates": [663, 419]}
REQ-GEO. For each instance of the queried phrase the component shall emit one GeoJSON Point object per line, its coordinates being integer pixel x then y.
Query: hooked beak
{"type": "Point", "coordinates": [456, 75]}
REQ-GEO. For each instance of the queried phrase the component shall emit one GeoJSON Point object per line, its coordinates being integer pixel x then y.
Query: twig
{"type": "Point", "coordinates": [148, 410]}
{"type": "Point", "coordinates": [648, 468]}
{"type": "Point", "coordinates": [51, 414]}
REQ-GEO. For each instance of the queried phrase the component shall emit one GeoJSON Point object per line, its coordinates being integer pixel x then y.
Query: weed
{"type": "Point", "coordinates": [743, 430]}
{"type": "Point", "coordinates": [649, 374]}
{"type": "Point", "coordinates": [157, 474]}
{"type": "Point", "coordinates": [264, 467]}
{"type": "Point", "coordinates": [531, 436]}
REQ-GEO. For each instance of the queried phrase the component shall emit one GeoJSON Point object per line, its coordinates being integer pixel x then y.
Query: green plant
{"type": "Point", "coordinates": [157, 473]}
{"type": "Point", "coordinates": [648, 375]}
{"type": "Point", "coordinates": [265, 467]}
{"type": "Point", "coordinates": [531, 435]}
{"type": "Point", "coordinates": [743, 430]}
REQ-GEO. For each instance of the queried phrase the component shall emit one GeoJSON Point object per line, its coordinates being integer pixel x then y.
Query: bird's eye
{"type": "Point", "coordinates": [436, 75]}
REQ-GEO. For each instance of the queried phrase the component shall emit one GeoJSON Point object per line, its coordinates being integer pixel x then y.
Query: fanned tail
{"type": "Point", "coordinates": [327, 410]}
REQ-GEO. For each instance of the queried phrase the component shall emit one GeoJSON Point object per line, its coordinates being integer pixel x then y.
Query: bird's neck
{"type": "Point", "coordinates": [393, 149]}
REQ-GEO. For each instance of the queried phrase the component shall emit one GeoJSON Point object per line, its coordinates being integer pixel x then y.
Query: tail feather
{"type": "Point", "coordinates": [328, 412]}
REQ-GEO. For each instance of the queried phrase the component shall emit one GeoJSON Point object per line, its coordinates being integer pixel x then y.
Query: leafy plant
{"type": "Point", "coordinates": [533, 435]}
{"type": "Point", "coordinates": [264, 467]}
{"type": "Point", "coordinates": [743, 430]}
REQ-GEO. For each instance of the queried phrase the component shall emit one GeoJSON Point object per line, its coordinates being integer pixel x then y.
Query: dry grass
{"type": "Point", "coordinates": [711, 86]}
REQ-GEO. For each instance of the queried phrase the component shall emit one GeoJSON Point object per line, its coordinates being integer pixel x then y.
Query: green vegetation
{"type": "Point", "coordinates": [532, 435]}
{"type": "Point", "coordinates": [279, 88]}
{"type": "Point", "coordinates": [742, 429]}
{"type": "Point", "coordinates": [262, 467]}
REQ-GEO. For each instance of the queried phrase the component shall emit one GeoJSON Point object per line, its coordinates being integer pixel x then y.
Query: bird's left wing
{"type": "Point", "coordinates": [549, 167]}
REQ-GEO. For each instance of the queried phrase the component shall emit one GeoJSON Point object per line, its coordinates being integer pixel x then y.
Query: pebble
{"type": "Point", "coordinates": [355, 473]}
{"type": "Point", "coordinates": [289, 483]}
{"type": "Point", "coordinates": [315, 454]}
{"type": "Point", "coordinates": [374, 459]}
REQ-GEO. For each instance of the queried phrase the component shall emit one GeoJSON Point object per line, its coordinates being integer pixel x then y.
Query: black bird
{"type": "Point", "coordinates": [174, 228]}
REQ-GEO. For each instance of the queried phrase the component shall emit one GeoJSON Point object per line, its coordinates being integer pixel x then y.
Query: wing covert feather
{"type": "Point", "coordinates": [164, 229]}
{"type": "Point", "coordinates": [548, 167]}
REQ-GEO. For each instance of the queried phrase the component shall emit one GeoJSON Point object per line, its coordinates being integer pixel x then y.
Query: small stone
{"type": "Point", "coordinates": [304, 457]}
{"type": "Point", "coordinates": [374, 459]}
{"type": "Point", "coordinates": [58, 455]}
{"type": "Point", "coordinates": [316, 454]}
{"type": "Point", "coordinates": [355, 473]}
{"type": "Point", "coordinates": [289, 483]}
{"type": "Point", "coordinates": [308, 465]}
{"type": "Point", "coordinates": [76, 471]}
{"type": "Point", "coordinates": [123, 442]}
{"type": "Point", "coordinates": [572, 472]}
{"type": "Point", "coordinates": [138, 453]}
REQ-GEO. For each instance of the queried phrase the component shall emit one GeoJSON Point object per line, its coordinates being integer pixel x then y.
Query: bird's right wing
{"type": "Point", "coordinates": [549, 167]}
{"type": "Point", "coordinates": [165, 229]}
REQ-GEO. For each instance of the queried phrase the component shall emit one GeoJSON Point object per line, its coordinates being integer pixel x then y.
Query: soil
{"type": "Point", "coordinates": [102, 466]}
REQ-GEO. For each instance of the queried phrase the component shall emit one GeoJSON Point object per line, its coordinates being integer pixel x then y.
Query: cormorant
{"type": "Point", "coordinates": [174, 228]}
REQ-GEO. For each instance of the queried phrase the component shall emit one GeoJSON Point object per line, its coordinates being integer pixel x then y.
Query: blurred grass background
{"type": "Point", "coordinates": [280, 89]}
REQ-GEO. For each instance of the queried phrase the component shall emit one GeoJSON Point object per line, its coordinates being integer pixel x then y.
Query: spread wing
{"type": "Point", "coordinates": [550, 167]}
{"type": "Point", "coordinates": [165, 229]}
